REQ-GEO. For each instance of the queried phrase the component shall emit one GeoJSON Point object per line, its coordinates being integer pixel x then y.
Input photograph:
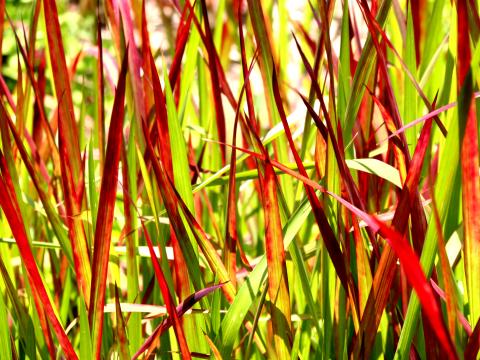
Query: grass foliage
{"type": "Point", "coordinates": [239, 179]}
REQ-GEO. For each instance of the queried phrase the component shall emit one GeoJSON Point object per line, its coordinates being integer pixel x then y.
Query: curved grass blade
{"type": "Point", "coordinates": [448, 178]}
{"type": "Point", "coordinates": [48, 207]}
{"type": "Point", "coordinates": [181, 309]}
{"type": "Point", "coordinates": [9, 204]}
{"type": "Point", "coordinates": [403, 250]}
{"type": "Point", "coordinates": [386, 269]}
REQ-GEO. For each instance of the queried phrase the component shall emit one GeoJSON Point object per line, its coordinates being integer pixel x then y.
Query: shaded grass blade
{"type": "Point", "coordinates": [103, 230]}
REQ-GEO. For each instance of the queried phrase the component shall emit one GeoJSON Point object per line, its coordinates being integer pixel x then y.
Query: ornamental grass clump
{"type": "Point", "coordinates": [239, 180]}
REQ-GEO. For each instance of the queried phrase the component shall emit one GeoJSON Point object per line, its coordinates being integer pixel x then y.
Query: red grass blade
{"type": "Point", "coordinates": [463, 45]}
{"type": "Point", "coordinates": [384, 275]}
{"type": "Point", "coordinates": [217, 96]}
{"type": "Point", "coordinates": [419, 20]}
{"type": "Point", "coordinates": [471, 209]}
{"type": "Point", "coordinates": [9, 204]}
{"type": "Point", "coordinates": [103, 230]}
{"type": "Point", "coordinates": [327, 234]}
{"type": "Point", "coordinates": [473, 344]}
{"type": "Point", "coordinates": [134, 61]}
{"type": "Point", "coordinates": [183, 33]}
{"type": "Point", "coordinates": [416, 277]}
{"type": "Point", "coordinates": [405, 253]}
{"type": "Point", "coordinates": [62, 85]}
{"type": "Point", "coordinates": [167, 298]}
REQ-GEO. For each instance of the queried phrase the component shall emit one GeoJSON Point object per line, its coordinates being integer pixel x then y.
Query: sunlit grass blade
{"type": "Point", "coordinates": [470, 164]}
{"type": "Point", "coordinates": [448, 278]}
{"type": "Point", "coordinates": [129, 177]}
{"type": "Point", "coordinates": [5, 342]}
{"type": "Point", "coordinates": [231, 236]}
{"type": "Point", "coordinates": [277, 271]}
{"type": "Point", "coordinates": [73, 205]}
{"type": "Point", "coordinates": [85, 339]}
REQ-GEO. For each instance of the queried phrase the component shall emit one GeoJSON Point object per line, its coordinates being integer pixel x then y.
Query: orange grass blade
{"type": "Point", "coordinates": [73, 205]}
{"type": "Point", "coordinates": [278, 290]}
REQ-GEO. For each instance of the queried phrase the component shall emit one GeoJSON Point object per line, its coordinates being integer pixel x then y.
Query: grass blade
{"type": "Point", "coordinates": [277, 271]}
{"type": "Point", "coordinates": [11, 209]}
{"type": "Point", "coordinates": [62, 85]}
{"type": "Point", "coordinates": [103, 230]}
